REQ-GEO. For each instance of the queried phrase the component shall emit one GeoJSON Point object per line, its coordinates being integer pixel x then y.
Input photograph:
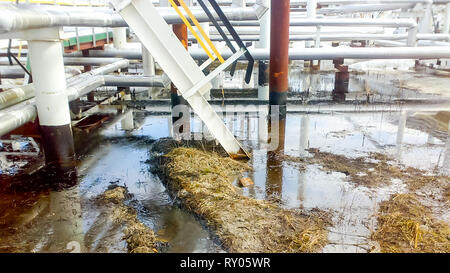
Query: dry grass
{"type": "Point", "coordinates": [139, 238]}
{"type": "Point", "coordinates": [370, 173]}
{"type": "Point", "coordinates": [360, 171]}
{"type": "Point", "coordinates": [203, 182]}
{"type": "Point", "coordinates": [405, 225]}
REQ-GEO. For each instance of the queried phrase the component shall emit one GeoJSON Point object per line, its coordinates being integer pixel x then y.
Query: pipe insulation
{"type": "Point", "coordinates": [17, 115]}
{"type": "Point", "coordinates": [15, 95]}
{"type": "Point", "coordinates": [324, 53]}
{"type": "Point", "coordinates": [25, 16]}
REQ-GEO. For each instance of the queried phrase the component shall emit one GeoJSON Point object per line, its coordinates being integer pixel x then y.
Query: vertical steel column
{"type": "Point", "coordinates": [46, 59]}
{"type": "Point", "coordinates": [148, 64]}
{"type": "Point", "coordinates": [311, 7]}
{"type": "Point", "coordinates": [279, 54]}
{"type": "Point", "coordinates": [446, 27]}
{"type": "Point", "coordinates": [426, 21]}
{"type": "Point", "coordinates": [120, 37]}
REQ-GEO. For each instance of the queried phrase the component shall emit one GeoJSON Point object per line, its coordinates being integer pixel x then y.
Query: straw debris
{"type": "Point", "coordinates": [378, 172]}
{"type": "Point", "coordinates": [406, 225]}
{"type": "Point", "coordinates": [203, 181]}
{"type": "Point", "coordinates": [139, 237]}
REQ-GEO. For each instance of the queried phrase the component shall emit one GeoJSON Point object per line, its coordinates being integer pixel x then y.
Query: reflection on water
{"type": "Point", "coordinates": [65, 209]}
{"type": "Point", "coordinates": [67, 219]}
{"type": "Point", "coordinates": [274, 168]}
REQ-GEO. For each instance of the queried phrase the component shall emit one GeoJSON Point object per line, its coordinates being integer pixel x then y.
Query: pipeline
{"type": "Point", "coordinates": [73, 61]}
{"type": "Point", "coordinates": [15, 72]}
{"type": "Point", "coordinates": [307, 53]}
{"type": "Point", "coordinates": [24, 16]}
{"type": "Point", "coordinates": [345, 37]}
{"type": "Point", "coordinates": [395, 23]}
{"type": "Point", "coordinates": [19, 94]}
{"type": "Point", "coordinates": [15, 116]}
{"type": "Point", "coordinates": [339, 2]}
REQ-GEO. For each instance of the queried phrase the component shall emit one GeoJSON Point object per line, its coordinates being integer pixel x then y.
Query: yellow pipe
{"type": "Point", "coordinates": [197, 24]}
{"type": "Point", "coordinates": [186, 22]}
{"type": "Point", "coordinates": [20, 50]}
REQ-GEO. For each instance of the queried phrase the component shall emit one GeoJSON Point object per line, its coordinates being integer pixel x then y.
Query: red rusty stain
{"type": "Point", "coordinates": [279, 45]}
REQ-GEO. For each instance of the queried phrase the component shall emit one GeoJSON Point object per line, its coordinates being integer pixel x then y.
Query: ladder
{"type": "Point", "coordinates": [174, 59]}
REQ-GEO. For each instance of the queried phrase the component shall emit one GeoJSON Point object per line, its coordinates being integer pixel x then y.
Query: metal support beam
{"type": "Point", "coordinates": [47, 68]}
{"type": "Point", "coordinates": [279, 54]}
{"type": "Point", "coordinates": [173, 58]}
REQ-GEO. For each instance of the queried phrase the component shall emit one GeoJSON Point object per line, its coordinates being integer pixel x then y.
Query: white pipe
{"type": "Point", "coordinates": [16, 95]}
{"type": "Point", "coordinates": [75, 61]}
{"type": "Point", "coordinates": [346, 53]}
{"type": "Point", "coordinates": [264, 42]}
{"type": "Point", "coordinates": [264, 30]}
{"type": "Point", "coordinates": [364, 8]}
{"type": "Point", "coordinates": [446, 28]}
{"type": "Point", "coordinates": [49, 82]}
{"type": "Point", "coordinates": [348, 37]}
{"type": "Point", "coordinates": [148, 64]}
{"type": "Point", "coordinates": [425, 23]}
{"type": "Point", "coordinates": [238, 3]}
{"type": "Point", "coordinates": [339, 2]}
{"type": "Point", "coordinates": [311, 8]}
{"type": "Point", "coordinates": [15, 116]}
{"type": "Point", "coordinates": [22, 17]}
{"type": "Point", "coordinates": [353, 22]}
{"type": "Point", "coordinates": [120, 37]}
{"type": "Point", "coordinates": [311, 53]}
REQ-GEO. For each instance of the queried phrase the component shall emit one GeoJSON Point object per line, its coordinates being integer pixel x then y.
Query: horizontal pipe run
{"type": "Point", "coordinates": [136, 81]}
{"type": "Point", "coordinates": [364, 8]}
{"type": "Point", "coordinates": [16, 72]}
{"type": "Point", "coordinates": [23, 16]}
{"type": "Point", "coordinates": [355, 22]}
{"type": "Point", "coordinates": [344, 37]}
{"type": "Point", "coordinates": [309, 53]}
{"type": "Point", "coordinates": [340, 2]}
{"type": "Point", "coordinates": [15, 116]}
{"type": "Point", "coordinates": [73, 61]}
{"type": "Point", "coordinates": [14, 119]}
{"type": "Point", "coordinates": [16, 95]}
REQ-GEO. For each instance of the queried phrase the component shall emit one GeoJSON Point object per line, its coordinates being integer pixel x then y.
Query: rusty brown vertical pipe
{"type": "Point", "coordinates": [279, 54]}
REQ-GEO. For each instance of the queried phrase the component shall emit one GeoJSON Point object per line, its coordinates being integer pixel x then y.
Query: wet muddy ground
{"type": "Point", "coordinates": [298, 175]}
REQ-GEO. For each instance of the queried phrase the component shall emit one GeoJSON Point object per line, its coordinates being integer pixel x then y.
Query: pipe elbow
{"type": "Point", "coordinates": [260, 10]}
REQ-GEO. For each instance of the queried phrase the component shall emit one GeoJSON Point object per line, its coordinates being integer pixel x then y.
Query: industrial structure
{"type": "Point", "coordinates": [62, 62]}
